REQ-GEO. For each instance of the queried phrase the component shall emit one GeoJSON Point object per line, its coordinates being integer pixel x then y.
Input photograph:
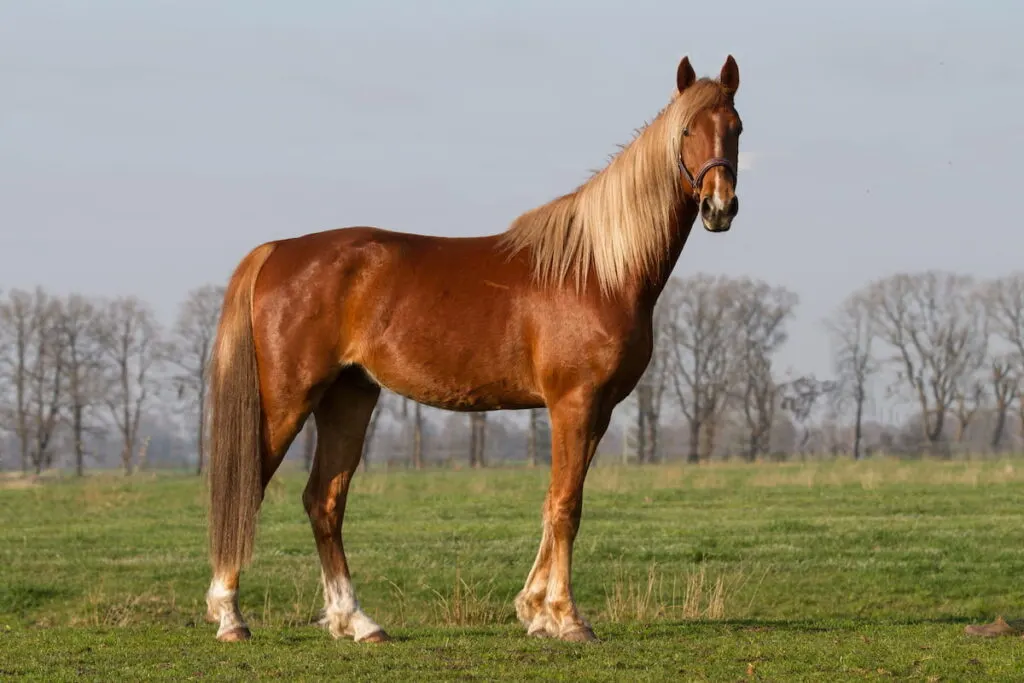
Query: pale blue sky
{"type": "Point", "coordinates": [145, 146]}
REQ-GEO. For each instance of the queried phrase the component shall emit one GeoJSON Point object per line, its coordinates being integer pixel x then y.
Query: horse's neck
{"type": "Point", "coordinates": [685, 217]}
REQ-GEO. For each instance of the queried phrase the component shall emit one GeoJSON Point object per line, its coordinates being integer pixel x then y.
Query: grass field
{"type": "Point", "coordinates": [837, 571]}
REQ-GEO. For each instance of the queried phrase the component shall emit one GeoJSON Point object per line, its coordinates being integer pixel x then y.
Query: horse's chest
{"type": "Point", "coordinates": [624, 356]}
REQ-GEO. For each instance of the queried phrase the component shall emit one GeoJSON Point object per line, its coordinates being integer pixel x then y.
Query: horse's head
{"type": "Point", "coordinates": [710, 149]}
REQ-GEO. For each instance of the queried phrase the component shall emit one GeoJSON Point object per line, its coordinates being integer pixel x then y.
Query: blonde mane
{"type": "Point", "coordinates": [619, 223]}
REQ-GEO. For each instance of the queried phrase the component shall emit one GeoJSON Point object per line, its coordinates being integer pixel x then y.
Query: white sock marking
{"type": "Point", "coordinates": [223, 603]}
{"type": "Point", "coordinates": [342, 613]}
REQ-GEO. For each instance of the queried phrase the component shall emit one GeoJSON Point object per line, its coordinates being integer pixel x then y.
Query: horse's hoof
{"type": "Point", "coordinates": [235, 635]}
{"type": "Point", "coordinates": [375, 637]}
{"type": "Point", "coordinates": [538, 633]}
{"type": "Point", "coordinates": [583, 634]}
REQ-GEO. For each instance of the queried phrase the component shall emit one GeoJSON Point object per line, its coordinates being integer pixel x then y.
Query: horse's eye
{"type": "Point", "coordinates": [686, 131]}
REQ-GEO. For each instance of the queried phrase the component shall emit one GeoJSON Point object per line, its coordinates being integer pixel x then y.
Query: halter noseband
{"type": "Point", "coordinates": [695, 182]}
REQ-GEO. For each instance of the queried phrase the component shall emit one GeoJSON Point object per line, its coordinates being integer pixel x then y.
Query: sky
{"type": "Point", "coordinates": [145, 147]}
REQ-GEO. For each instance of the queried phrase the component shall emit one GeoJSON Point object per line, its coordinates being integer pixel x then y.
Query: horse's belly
{"type": "Point", "coordinates": [458, 391]}
{"type": "Point", "coordinates": [455, 378]}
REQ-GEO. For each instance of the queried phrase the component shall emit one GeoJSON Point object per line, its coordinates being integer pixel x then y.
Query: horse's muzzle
{"type": "Point", "coordinates": [716, 216]}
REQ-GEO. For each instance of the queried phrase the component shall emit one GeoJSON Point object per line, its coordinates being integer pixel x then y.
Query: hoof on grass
{"type": "Point", "coordinates": [235, 635]}
{"type": "Point", "coordinates": [375, 637]}
{"type": "Point", "coordinates": [582, 634]}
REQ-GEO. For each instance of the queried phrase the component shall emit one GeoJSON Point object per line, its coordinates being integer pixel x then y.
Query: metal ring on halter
{"type": "Point", "coordinates": [696, 181]}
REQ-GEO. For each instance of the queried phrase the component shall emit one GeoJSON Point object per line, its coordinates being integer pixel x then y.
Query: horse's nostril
{"type": "Point", "coordinates": [733, 208]}
{"type": "Point", "coordinates": [705, 207]}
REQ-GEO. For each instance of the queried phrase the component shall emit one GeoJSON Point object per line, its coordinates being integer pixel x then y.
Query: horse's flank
{"type": "Point", "coordinates": [618, 225]}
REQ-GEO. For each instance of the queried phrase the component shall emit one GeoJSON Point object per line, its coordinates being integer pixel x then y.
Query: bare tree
{"type": "Point", "coordinates": [80, 327]}
{"type": "Point", "coordinates": [385, 406]}
{"type": "Point", "coordinates": [970, 397]}
{"type": "Point", "coordinates": [761, 312]}
{"type": "Point", "coordinates": [538, 444]}
{"type": "Point", "coordinates": [973, 384]}
{"type": "Point", "coordinates": [6, 412]}
{"type": "Point", "coordinates": [371, 431]}
{"type": "Point", "coordinates": [1004, 309]}
{"type": "Point", "coordinates": [646, 422]}
{"type": "Point", "coordinates": [16, 323]}
{"type": "Point", "coordinates": [415, 430]}
{"type": "Point", "coordinates": [649, 392]}
{"type": "Point", "coordinates": [308, 440]}
{"type": "Point", "coordinates": [1003, 300]}
{"type": "Point", "coordinates": [477, 439]}
{"type": "Point", "coordinates": [799, 398]}
{"type": "Point", "coordinates": [852, 329]}
{"type": "Point", "coordinates": [46, 375]}
{"type": "Point", "coordinates": [701, 320]}
{"type": "Point", "coordinates": [531, 441]}
{"type": "Point", "coordinates": [131, 345]}
{"type": "Point", "coordinates": [757, 399]}
{"type": "Point", "coordinates": [33, 365]}
{"type": "Point", "coordinates": [933, 323]}
{"type": "Point", "coordinates": [1005, 390]}
{"type": "Point", "coordinates": [190, 350]}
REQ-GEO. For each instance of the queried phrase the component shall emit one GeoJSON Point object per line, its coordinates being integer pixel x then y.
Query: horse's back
{"type": "Point", "coordinates": [437, 319]}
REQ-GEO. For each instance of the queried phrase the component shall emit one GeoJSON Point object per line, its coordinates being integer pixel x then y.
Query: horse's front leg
{"type": "Point", "coordinates": [546, 605]}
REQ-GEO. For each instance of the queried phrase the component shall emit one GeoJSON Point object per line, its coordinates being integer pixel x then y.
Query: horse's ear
{"type": "Point", "coordinates": [685, 75]}
{"type": "Point", "coordinates": [730, 76]}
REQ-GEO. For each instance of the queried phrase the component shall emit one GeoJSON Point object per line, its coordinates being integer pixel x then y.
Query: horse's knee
{"type": "Point", "coordinates": [565, 514]}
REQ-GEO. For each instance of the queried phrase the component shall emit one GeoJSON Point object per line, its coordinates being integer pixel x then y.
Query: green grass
{"type": "Point", "coordinates": [835, 571]}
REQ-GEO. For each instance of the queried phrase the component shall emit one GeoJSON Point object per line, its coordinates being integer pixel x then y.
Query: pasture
{"type": "Point", "coordinates": [816, 571]}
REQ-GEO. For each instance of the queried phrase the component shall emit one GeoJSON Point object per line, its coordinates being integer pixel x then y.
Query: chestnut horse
{"type": "Point", "coordinates": [554, 312]}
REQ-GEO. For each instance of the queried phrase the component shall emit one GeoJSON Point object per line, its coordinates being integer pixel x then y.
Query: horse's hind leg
{"type": "Point", "coordinates": [341, 421]}
{"type": "Point", "coordinates": [281, 425]}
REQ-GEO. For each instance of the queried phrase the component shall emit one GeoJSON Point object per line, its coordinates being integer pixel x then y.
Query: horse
{"type": "Point", "coordinates": [553, 313]}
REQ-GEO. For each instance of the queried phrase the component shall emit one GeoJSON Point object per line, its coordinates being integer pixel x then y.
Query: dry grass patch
{"type": "Point", "coordinates": [464, 604]}
{"type": "Point", "coordinates": [302, 606]}
{"type": "Point", "coordinates": [694, 595]}
{"type": "Point", "coordinates": [120, 609]}
{"type": "Point", "coordinates": [103, 494]}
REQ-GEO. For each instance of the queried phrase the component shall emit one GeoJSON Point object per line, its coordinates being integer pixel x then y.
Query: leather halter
{"type": "Point", "coordinates": [696, 181]}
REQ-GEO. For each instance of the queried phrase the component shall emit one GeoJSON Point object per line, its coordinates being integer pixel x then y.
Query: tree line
{"type": "Point", "coordinates": [75, 371]}
{"type": "Point", "coordinates": [930, 362]}
{"type": "Point", "coordinates": [943, 352]}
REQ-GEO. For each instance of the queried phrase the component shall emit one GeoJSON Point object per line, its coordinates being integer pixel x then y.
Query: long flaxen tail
{"type": "Point", "coordinates": [235, 440]}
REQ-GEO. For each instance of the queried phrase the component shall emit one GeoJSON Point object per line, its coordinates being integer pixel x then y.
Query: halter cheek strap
{"type": "Point", "coordinates": [696, 181]}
